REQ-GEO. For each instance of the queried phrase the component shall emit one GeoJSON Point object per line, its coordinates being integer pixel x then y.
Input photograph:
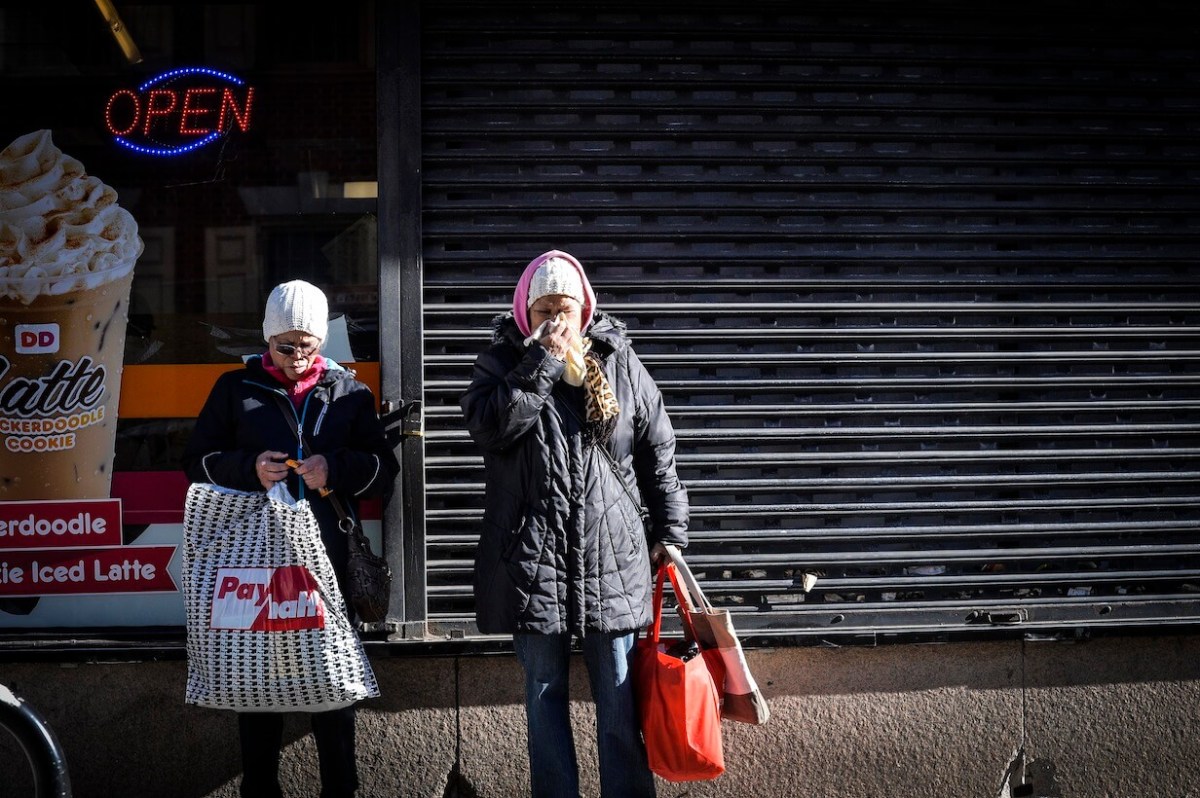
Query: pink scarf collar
{"type": "Point", "coordinates": [299, 389]}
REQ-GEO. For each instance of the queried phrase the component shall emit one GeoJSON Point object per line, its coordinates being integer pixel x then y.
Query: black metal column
{"type": "Point", "coordinates": [400, 277]}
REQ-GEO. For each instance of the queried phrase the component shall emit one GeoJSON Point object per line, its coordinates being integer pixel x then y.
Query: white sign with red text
{"type": "Point", "coordinates": [60, 524]}
{"type": "Point", "coordinates": [267, 599]}
{"type": "Point", "coordinates": [59, 572]}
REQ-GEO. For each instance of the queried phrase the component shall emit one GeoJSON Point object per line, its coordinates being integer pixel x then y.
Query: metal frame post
{"type": "Point", "coordinates": [398, 65]}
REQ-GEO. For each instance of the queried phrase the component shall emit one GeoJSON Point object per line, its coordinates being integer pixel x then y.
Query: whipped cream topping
{"type": "Point", "coordinates": [61, 230]}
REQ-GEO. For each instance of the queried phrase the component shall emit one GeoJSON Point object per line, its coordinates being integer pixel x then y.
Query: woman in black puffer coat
{"type": "Point", "coordinates": [563, 551]}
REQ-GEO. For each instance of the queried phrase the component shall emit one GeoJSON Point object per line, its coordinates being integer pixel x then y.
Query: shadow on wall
{"type": "Point", "coordinates": [856, 669]}
{"type": "Point", "coordinates": [126, 731]}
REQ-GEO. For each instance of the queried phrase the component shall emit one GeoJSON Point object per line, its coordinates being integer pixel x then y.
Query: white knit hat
{"type": "Point", "coordinates": [296, 306]}
{"type": "Point", "coordinates": [557, 277]}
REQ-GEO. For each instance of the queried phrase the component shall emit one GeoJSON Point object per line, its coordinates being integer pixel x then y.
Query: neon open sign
{"type": "Point", "coordinates": [179, 111]}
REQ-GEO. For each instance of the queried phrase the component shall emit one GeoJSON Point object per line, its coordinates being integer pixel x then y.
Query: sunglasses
{"type": "Point", "coordinates": [288, 350]}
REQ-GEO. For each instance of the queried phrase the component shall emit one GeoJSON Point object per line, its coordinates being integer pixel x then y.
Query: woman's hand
{"type": "Point", "coordinates": [558, 339]}
{"type": "Point", "coordinates": [270, 468]}
{"type": "Point", "coordinates": [314, 471]}
{"type": "Point", "coordinates": [658, 555]}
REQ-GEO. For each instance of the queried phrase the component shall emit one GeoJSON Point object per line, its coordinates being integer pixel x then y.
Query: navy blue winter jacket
{"type": "Point", "coordinates": [244, 417]}
{"type": "Point", "coordinates": [562, 547]}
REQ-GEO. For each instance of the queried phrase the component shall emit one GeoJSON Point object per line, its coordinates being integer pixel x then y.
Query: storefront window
{"type": "Point", "coordinates": [243, 144]}
{"type": "Point", "coordinates": [288, 194]}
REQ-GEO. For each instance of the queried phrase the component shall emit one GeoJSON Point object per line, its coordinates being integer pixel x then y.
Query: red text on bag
{"type": "Point", "coordinates": [267, 599]}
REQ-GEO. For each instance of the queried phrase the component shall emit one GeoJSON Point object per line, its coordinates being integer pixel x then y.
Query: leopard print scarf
{"type": "Point", "coordinates": [602, 407]}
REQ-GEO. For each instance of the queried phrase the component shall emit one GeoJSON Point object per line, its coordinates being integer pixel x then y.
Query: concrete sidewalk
{"type": "Point", "coordinates": [1113, 717]}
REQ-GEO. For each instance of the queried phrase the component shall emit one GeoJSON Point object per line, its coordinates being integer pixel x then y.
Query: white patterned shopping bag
{"type": "Point", "coordinates": [267, 628]}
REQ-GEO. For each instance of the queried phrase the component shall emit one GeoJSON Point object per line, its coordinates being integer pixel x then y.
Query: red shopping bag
{"type": "Point", "coordinates": [678, 703]}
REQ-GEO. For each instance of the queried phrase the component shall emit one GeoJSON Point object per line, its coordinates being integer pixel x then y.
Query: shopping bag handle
{"type": "Point", "coordinates": [692, 596]}
{"type": "Point", "coordinates": [656, 624]}
{"type": "Point", "coordinates": [664, 572]}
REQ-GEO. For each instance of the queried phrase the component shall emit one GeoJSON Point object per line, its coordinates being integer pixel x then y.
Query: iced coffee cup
{"type": "Point", "coordinates": [67, 252]}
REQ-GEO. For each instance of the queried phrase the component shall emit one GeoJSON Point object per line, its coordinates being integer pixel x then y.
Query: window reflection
{"type": "Point", "coordinates": [224, 223]}
{"type": "Point", "coordinates": [292, 196]}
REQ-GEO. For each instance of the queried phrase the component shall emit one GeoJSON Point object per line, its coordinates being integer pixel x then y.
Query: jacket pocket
{"type": "Point", "coordinates": [631, 519]}
{"type": "Point", "coordinates": [523, 552]}
{"type": "Point", "coordinates": [525, 535]}
{"type": "Point", "coordinates": [634, 528]}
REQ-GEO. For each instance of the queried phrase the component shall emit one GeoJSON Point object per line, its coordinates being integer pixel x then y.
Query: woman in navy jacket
{"type": "Point", "coordinates": [242, 439]}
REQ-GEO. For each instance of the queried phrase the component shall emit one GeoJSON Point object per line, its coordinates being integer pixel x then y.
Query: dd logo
{"type": "Point", "coordinates": [37, 339]}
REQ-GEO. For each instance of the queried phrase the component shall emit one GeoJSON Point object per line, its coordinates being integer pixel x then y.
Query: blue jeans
{"type": "Point", "coordinates": [553, 770]}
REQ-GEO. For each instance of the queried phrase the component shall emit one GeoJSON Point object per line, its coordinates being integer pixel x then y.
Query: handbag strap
{"type": "Point", "coordinates": [612, 463]}
{"type": "Point", "coordinates": [679, 594]}
{"type": "Point", "coordinates": [641, 508]}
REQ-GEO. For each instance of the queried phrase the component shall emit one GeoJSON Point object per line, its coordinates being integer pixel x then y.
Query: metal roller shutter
{"type": "Point", "coordinates": [920, 285]}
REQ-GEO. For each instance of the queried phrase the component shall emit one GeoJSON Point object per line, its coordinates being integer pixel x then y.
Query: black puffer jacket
{"type": "Point", "coordinates": [244, 417]}
{"type": "Point", "coordinates": [562, 547]}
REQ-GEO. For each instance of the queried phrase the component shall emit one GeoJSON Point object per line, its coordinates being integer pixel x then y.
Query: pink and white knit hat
{"type": "Point", "coordinates": [552, 273]}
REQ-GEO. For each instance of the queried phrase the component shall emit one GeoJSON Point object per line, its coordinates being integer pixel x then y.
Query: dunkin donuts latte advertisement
{"type": "Point", "coordinates": [67, 257]}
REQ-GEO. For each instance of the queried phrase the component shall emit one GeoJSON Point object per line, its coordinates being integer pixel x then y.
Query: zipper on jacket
{"type": "Point", "coordinates": [320, 418]}
{"type": "Point", "coordinates": [299, 421]}
{"type": "Point", "coordinates": [300, 431]}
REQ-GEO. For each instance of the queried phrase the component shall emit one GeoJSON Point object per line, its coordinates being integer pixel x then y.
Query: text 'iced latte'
{"type": "Point", "coordinates": [67, 252]}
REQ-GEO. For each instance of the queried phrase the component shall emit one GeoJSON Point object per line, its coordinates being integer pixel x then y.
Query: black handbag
{"type": "Point", "coordinates": [368, 576]}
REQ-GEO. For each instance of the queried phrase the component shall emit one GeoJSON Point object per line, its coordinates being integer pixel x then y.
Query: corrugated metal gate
{"type": "Point", "coordinates": [920, 285]}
